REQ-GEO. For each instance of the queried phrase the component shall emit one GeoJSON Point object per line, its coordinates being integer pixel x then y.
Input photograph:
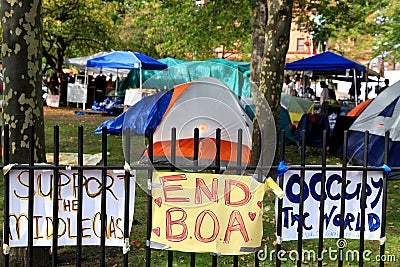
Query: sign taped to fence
{"type": "Point", "coordinates": [196, 212]}
{"type": "Point", "coordinates": [333, 196]}
{"type": "Point", "coordinates": [68, 207]}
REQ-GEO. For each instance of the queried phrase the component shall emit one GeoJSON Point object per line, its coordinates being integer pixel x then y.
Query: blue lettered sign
{"type": "Point", "coordinates": [332, 198]}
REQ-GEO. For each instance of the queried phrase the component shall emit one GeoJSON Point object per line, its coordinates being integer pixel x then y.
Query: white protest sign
{"type": "Point", "coordinates": [132, 96]}
{"type": "Point", "coordinates": [312, 196]}
{"type": "Point", "coordinates": [76, 93]}
{"type": "Point", "coordinates": [68, 207]}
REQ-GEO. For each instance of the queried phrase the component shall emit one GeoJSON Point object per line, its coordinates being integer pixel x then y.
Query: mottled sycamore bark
{"type": "Point", "coordinates": [271, 31]}
{"type": "Point", "coordinates": [258, 40]}
{"type": "Point", "coordinates": [21, 56]}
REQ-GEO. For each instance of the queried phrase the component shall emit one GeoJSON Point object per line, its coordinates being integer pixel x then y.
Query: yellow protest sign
{"type": "Point", "coordinates": [216, 213]}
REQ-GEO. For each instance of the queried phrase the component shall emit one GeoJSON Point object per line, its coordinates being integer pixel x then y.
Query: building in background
{"type": "Point", "coordinates": [300, 45]}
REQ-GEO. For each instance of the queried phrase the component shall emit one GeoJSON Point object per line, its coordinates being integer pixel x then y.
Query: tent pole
{"type": "Point", "coordinates": [116, 82]}
{"type": "Point", "coordinates": [140, 76]}
{"type": "Point", "coordinates": [366, 81]}
{"type": "Point", "coordinates": [355, 86]}
{"type": "Point", "coordinates": [85, 85]}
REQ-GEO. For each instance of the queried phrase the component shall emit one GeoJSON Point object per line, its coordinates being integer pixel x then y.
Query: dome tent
{"type": "Point", "coordinates": [206, 104]}
{"type": "Point", "coordinates": [380, 116]}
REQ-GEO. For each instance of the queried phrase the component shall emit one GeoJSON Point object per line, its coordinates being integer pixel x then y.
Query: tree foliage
{"type": "Point", "coordinates": [359, 29]}
{"type": "Point", "coordinates": [78, 27]}
{"type": "Point", "coordinates": [386, 34]}
{"type": "Point", "coordinates": [184, 29]}
{"type": "Point", "coordinates": [194, 29]}
{"type": "Point", "coordinates": [337, 19]}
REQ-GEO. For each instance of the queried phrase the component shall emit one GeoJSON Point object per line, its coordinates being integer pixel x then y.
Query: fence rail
{"type": "Point", "coordinates": [215, 167]}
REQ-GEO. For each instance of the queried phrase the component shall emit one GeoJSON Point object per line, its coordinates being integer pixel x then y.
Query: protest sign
{"type": "Point", "coordinates": [332, 197]}
{"type": "Point", "coordinates": [68, 207]}
{"type": "Point", "coordinates": [196, 212]}
{"type": "Point", "coordinates": [52, 100]}
{"type": "Point", "coordinates": [76, 93]}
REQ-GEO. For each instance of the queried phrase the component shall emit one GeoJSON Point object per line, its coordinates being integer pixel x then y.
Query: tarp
{"type": "Point", "coordinates": [114, 126]}
{"type": "Point", "coordinates": [324, 63]}
{"type": "Point", "coordinates": [125, 60]}
{"type": "Point", "coordinates": [146, 113]}
{"type": "Point", "coordinates": [381, 115]}
{"type": "Point", "coordinates": [182, 71]}
{"type": "Point", "coordinates": [314, 125]}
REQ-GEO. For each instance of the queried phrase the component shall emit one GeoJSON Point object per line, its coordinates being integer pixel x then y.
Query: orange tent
{"type": "Point", "coordinates": [207, 104]}
{"type": "Point", "coordinates": [356, 111]}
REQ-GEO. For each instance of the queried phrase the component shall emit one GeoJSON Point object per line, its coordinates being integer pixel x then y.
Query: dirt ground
{"type": "Point", "coordinates": [69, 114]}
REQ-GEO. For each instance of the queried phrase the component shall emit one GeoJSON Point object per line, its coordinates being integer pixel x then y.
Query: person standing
{"type": "Point", "coordinates": [288, 86]}
{"type": "Point", "coordinates": [54, 83]}
{"type": "Point", "coordinates": [332, 92]}
{"type": "Point", "coordinates": [353, 93]}
{"type": "Point", "coordinates": [101, 86]}
{"type": "Point", "coordinates": [384, 87]}
{"type": "Point", "coordinates": [324, 98]}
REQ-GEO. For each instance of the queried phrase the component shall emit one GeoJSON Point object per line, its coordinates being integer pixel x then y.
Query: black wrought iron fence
{"type": "Point", "coordinates": [215, 167]}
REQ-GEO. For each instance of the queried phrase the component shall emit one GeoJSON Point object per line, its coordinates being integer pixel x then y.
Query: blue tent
{"type": "Point", "coordinates": [326, 63]}
{"type": "Point", "coordinates": [125, 60]}
{"type": "Point", "coordinates": [329, 63]}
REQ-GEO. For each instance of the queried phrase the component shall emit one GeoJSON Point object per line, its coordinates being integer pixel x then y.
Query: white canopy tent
{"type": "Point", "coordinates": [80, 62]}
{"type": "Point", "coordinates": [116, 61]}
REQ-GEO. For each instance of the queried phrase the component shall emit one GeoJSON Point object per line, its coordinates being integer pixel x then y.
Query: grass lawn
{"type": "Point", "coordinates": [69, 123]}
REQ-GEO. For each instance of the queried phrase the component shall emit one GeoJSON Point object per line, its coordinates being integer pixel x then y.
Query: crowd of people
{"type": "Point", "coordinates": [294, 87]}
{"type": "Point", "coordinates": [57, 84]}
{"type": "Point", "coordinates": [328, 96]}
{"type": "Point", "coordinates": [97, 85]}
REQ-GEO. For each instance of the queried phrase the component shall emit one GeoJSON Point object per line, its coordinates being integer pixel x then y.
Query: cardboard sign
{"type": "Point", "coordinates": [312, 196]}
{"type": "Point", "coordinates": [68, 207]}
{"type": "Point", "coordinates": [195, 212]}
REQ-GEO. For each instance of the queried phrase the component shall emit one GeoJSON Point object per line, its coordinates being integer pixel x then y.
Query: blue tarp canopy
{"type": "Point", "coordinates": [125, 60]}
{"type": "Point", "coordinates": [326, 63]}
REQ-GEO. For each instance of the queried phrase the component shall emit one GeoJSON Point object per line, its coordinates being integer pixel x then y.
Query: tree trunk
{"type": "Point", "coordinates": [23, 103]}
{"type": "Point", "coordinates": [277, 35]}
{"type": "Point", "coordinates": [257, 51]}
{"type": "Point", "coordinates": [273, 18]}
{"type": "Point", "coordinates": [258, 40]}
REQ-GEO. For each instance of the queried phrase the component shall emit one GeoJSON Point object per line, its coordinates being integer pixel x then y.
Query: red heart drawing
{"type": "Point", "coordinates": [252, 215]}
{"type": "Point", "coordinates": [158, 201]}
{"type": "Point", "coordinates": [157, 231]}
{"type": "Point", "coordinates": [259, 203]}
